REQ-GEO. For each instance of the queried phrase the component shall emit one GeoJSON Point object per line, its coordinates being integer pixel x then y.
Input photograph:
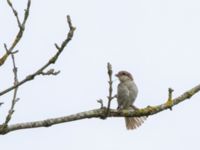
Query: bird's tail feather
{"type": "Point", "coordinates": [134, 122]}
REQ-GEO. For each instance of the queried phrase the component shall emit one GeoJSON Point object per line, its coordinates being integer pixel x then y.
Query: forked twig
{"type": "Point", "coordinates": [52, 60]}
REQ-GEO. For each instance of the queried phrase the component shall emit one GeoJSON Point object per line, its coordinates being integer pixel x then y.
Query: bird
{"type": "Point", "coordinates": [127, 92]}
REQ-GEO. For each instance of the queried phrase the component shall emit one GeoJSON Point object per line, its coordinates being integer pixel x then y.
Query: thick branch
{"type": "Point", "coordinates": [3, 58]}
{"type": "Point", "coordinates": [99, 113]}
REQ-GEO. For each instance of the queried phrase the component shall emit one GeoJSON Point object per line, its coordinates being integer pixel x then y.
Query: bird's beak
{"type": "Point", "coordinates": [116, 75]}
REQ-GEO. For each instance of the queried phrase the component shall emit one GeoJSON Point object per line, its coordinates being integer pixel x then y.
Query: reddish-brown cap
{"type": "Point", "coordinates": [124, 73]}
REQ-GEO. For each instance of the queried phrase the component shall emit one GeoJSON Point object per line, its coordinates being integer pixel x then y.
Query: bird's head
{"type": "Point", "coordinates": [124, 76]}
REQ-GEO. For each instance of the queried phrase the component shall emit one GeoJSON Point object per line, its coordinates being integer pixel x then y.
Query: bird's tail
{"type": "Point", "coordinates": [134, 122]}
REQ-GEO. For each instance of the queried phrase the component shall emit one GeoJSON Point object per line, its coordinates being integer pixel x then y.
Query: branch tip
{"type": "Point", "coordinates": [69, 21]}
{"type": "Point", "coordinates": [50, 72]}
{"type": "Point", "coordinates": [57, 47]}
{"type": "Point", "coordinates": [9, 2]}
{"type": "Point", "coordinates": [170, 90]}
{"type": "Point", "coordinates": [6, 48]}
{"type": "Point", "coordinates": [109, 68]}
{"type": "Point", "coordinates": [169, 102]}
{"type": "Point", "coordinates": [100, 101]}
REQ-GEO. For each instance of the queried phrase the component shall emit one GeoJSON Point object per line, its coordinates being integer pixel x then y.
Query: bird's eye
{"type": "Point", "coordinates": [123, 73]}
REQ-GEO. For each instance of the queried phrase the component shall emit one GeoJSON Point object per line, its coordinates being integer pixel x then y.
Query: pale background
{"type": "Point", "coordinates": [157, 41]}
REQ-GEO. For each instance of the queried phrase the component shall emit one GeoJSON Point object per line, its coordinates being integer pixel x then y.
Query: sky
{"type": "Point", "coordinates": [157, 41]}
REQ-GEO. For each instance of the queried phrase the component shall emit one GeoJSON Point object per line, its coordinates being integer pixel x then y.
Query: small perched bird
{"type": "Point", "coordinates": [126, 94]}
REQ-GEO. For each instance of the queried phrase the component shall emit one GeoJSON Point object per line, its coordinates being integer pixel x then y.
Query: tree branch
{"type": "Point", "coordinates": [52, 60]}
{"type": "Point", "coordinates": [15, 99]}
{"type": "Point", "coordinates": [20, 32]}
{"type": "Point", "coordinates": [99, 113]}
{"type": "Point", "coordinates": [20, 25]}
{"type": "Point", "coordinates": [110, 82]}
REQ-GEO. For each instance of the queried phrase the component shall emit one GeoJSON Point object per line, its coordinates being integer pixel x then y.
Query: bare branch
{"type": "Point", "coordinates": [52, 60]}
{"type": "Point", "coordinates": [100, 113]}
{"type": "Point", "coordinates": [50, 72]}
{"type": "Point", "coordinates": [57, 47]}
{"type": "Point", "coordinates": [15, 13]}
{"type": "Point", "coordinates": [170, 91]}
{"type": "Point", "coordinates": [15, 99]}
{"type": "Point", "coordinates": [21, 26]}
{"type": "Point", "coordinates": [100, 101]}
{"type": "Point", "coordinates": [3, 59]}
{"type": "Point", "coordinates": [110, 82]}
{"type": "Point", "coordinates": [20, 32]}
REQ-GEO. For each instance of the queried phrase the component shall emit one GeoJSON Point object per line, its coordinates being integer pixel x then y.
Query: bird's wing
{"type": "Point", "coordinates": [122, 95]}
{"type": "Point", "coordinates": [133, 92]}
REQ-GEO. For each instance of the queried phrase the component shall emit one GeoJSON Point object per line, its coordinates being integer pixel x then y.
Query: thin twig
{"type": "Point", "coordinates": [52, 60]}
{"type": "Point", "coordinates": [14, 12]}
{"type": "Point", "coordinates": [50, 72]}
{"type": "Point", "coordinates": [110, 82]}
{"type": "Point", "coordinates": [169, 101]}
{"type": "Point", "coordinates": [100, 101]}
{"type": "Point", "coordinates": [21, 26]}
{"type": "Point", "coordinates": [15, 99]}
{"type": "Point", "coordinates": [20, 32]}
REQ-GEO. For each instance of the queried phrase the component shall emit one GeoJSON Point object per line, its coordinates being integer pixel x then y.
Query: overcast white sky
{"type": "Point", "coordinates": [157, 41]}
